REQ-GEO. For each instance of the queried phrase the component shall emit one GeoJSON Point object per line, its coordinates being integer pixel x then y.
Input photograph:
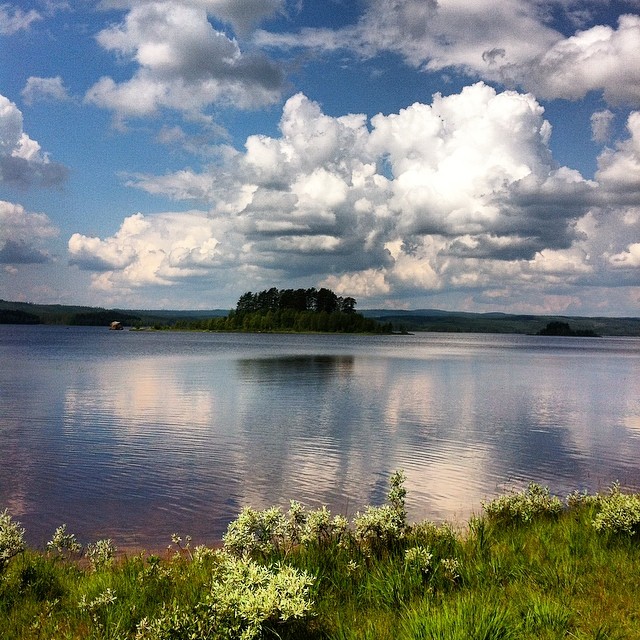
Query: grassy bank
{"type": "Point", "coordinates": [531, 566]}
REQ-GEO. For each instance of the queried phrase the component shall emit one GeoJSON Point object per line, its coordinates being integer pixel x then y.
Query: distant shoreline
{"type": "Point", "coordinates": [402, 321]}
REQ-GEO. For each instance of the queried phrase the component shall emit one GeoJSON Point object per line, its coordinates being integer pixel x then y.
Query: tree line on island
{"type": "Point", "coordinates": [297, 310]}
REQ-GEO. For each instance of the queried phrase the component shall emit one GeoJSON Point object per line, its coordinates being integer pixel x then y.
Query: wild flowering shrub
{"type": "Point", "coordinates": [419, 559]}
{"type": "Point", "coordinates": [270, 531]}
{"type": "Point", "coordinates": [182, 548]}
{"type": "Point", "coordinates": [202, 554]}
{"type": "Point", "coordinates": [63, 542]}
{"type": "Point", "coordinates": [577, 499]}
{"type": "Point", "coordinates": [101, 554]}
{"type": "Point", "coordinates": [379, 527]}
{"type": "Point", "coordinates": [322, 529]}
{"type": "Point", "coordinates": [256, 531]}
{"type": "Point", "coordinates": [154, 572]}
{"type": "Point", "coordinates": [619, 513]}
{"type": "Point", "coordinates": [523, 506]}
{"type": "Point", "coordinates": [296, 520]}
{"type": "Point", "coordinates": [450, 568]}
{"type": "Point", "coordinates": [352, 567]}
{"type": "Point", "coordinates": [11, 539]}
{"type": "Point", "coordinates": [397, 494]}
{"type": "Point", "coordinates": [245, 599]}
{"type": "Point", "coordinates": [98, 607]}
{"type": "Point", "coordinates": [251, 595]}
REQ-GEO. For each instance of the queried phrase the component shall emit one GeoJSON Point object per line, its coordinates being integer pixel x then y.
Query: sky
{"type": "Point", "coordinates": [469, 155]}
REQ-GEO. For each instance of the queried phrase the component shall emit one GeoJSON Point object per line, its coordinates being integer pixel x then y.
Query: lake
{"type": "Point", "coordinates": [137, 435]}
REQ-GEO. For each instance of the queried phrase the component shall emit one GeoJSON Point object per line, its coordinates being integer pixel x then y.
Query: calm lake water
{"type": "Point", "coordinates": [136, 435]}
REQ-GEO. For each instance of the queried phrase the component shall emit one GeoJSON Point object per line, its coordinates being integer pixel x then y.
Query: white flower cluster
{"type": "Point", "coordinates": [244, 596]}
{"type": "Point", "coordinates": [525, 505]}
{"type": "Point", "coordinates": [11, 539]}
{"type": "Point", "coordinates": [272, 530]}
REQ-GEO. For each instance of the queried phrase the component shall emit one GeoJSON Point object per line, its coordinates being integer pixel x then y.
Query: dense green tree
{"type": "Point", "coordinates": [347, 305]}
{"type": "Point", "coordinates": [326, 300]}
{"type": "Point", "coordinates": [248, 303]}
{"type": "Point", "coordinates": [268, 300]}
{"type": "Point", "coordinates": [293, 299]}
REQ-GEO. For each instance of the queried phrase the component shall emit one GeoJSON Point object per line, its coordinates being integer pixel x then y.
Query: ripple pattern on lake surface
{"type": "Point", "coordinates": [139, 435]}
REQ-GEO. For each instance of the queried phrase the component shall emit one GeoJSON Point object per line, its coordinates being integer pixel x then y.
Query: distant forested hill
{"type": "Point", "coordinates": [27, 313]}
{"type": "Point", "coordinates": [16, 316]}
{"type": "Point", "coordinates": [464, 322]}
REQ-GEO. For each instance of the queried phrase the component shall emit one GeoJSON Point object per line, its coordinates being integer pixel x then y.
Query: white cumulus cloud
{"type": "Point", "coordinates": [598, 59]}
{"type": "Point", "coordinates": [22, 161]}
{"type": "Point", "coordinates": [462, 192]}
{"type": "Point", "coordinates": [159, 249]}
{"type": "Point", "coordinates": [619, 168]}
{"type": "Point", "coordinates": [44, 89]}
{"type": "Point", "coordinates": [184, 63]}
{"type": "Point", "coordinates": [601, 122]}
{"type": "Point", "coordinates": [628, 258]}
{"type": "Point", "coordinates": [22, 234]}
{"type": "Point", "coordinates": [14, 19]}
{"type": "Point", "coordinates": [508, 41]}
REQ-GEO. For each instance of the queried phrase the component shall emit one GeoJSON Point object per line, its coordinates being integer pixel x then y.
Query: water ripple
{"type": "Point", "coordinates": [137, 436]}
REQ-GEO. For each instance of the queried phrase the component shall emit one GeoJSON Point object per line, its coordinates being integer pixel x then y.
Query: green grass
{"type": "Point", "coordinates": [525, 569]}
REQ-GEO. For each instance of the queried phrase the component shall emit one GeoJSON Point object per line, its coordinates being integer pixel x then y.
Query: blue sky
{"type": "Point", "coordinates": [479, 155]}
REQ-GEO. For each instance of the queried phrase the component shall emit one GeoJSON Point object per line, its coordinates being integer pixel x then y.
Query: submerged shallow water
{"type": "Point", "coordinates": [137, 435]}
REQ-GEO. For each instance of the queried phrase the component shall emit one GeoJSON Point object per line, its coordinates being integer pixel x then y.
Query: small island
{"type": "Point", "coordinates": [291, 310]}
{"type": "Point", "coordinates": [557, 328]}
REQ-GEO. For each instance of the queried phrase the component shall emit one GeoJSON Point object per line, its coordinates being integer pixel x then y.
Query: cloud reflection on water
{"type": "Point", "coordinates": [145, 444]}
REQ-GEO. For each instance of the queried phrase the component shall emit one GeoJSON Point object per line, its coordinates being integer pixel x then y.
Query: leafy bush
{"type": "Point", "coordinates": [272, 531]}
{"type": "Point", "coordinates": [419, 559]}
{"type": "Point", "coordinates": [450, 568]}
{"type": "Point", "coordinates": [202, 553]}
{"type": "Point", "coordinates": [379, 527]}
{"type": "Point", "coordinates": [317, 527]}
{"type": "Point", "coordinates": [322, 529]}
{"type": "Point", "coordinates": [256, 531]}
{"type": "Point", "coordinates": [577, 499]}
{"type": "Point", "coordinates": [249, 595]}
{"type": "Point", "coordinates": [619, 513]}
{"type": "Point", "coordinates": [244, 600]}
{"type": "Point", "coordinates": [101, 554]}
{"type": "Point", "coordinates": [62, 541]}
{"type": "Point", "coordinates": [523, 506]}
{"type": "Point", "coordinates": [11, 539]}
{"type": "Point", "coordinates": [397, 494]}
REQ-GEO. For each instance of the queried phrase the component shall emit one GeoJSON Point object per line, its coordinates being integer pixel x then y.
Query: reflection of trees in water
{"type": "Point", "coordinates": [305, 422]}
{"type": "Point", "coordinates": [302, 368]}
